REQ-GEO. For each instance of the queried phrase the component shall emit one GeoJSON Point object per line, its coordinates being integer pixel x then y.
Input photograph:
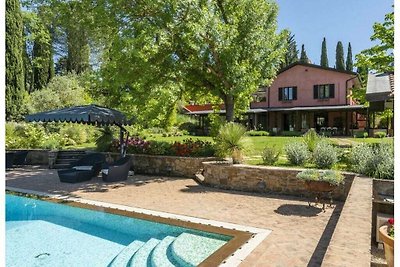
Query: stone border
{"type": "Point", "coordinates": [236, 258]}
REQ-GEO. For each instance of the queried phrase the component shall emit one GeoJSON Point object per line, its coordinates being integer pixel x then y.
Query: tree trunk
{"type": "Point", "coordinates": [229, 108]}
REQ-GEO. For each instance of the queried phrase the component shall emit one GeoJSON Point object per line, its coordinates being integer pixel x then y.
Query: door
{"type": "Point", "coordinates": [287, 121]}
{"type": "Point", "coordinates": [321, 120]}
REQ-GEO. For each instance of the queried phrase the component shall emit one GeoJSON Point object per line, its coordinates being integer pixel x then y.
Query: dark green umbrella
{"type": "Point", "coordinates": [87, 114]}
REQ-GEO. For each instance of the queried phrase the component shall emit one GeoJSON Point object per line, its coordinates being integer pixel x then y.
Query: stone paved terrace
{"type": "Point", "coordinates": [300, 235]}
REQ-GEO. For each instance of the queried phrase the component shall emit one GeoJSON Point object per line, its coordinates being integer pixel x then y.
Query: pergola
{"type": "Point", "coordinates": [86, 114]}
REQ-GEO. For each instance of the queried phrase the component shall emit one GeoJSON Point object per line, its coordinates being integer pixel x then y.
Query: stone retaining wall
{"type": "Point", "coordinates": [263, 179]}
{"type": "Point", "coordinates": [35, 156]}
{"type": "Point", "coordinates": [164, 165]}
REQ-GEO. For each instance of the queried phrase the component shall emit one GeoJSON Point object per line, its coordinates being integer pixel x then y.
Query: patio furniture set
{"type": "Point", "coordinates": [91, 165]}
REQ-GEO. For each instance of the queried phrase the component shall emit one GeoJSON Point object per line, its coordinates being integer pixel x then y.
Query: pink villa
{"type": "Point", "coordinates": [302, 96]}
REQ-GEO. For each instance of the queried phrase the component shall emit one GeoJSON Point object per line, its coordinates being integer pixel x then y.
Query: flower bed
{"type": "Point", "coordinates": [186, 148]}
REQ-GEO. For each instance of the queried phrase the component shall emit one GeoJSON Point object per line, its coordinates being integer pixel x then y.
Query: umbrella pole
{"type": "Point", "coordinates": [121, 142]}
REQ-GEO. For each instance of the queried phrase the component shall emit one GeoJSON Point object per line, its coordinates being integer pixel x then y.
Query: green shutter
{"type": "Point", "coordinates": [280, 94]}
{"type": "Point", "coordinates": [315, 91]}
{"type": "Point", "coordinates": [331, 91]}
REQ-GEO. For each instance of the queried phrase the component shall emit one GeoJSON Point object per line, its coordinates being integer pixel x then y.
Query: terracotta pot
{"type": "Point", "coordinates": [388, 243]}
{"type": "Point", "coordinates": [319, 186]}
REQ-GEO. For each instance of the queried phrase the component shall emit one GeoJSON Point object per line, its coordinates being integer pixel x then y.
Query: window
{"type": "Point", "coordinates": [324, 91]}
{"type": "Point", "coordinates": [304, 124]}
{"type": "Point", "coordinates": [287, 93]}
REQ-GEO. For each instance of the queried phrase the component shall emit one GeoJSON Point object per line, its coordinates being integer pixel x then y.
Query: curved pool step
{"type": "Point", "coordinates": [123, 258]}
{"type": "Point", "coordinates": [159, 256]}
{"type": "Point", "coordinates": [190, 250]}
{"type": "Point", "coordinates": [142, 256]}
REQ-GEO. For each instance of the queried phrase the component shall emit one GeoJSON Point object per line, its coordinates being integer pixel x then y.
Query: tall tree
{"type": "Point", "coordinates": [380, 57]}
{"type": "Point", "coordinates": [303, 55]}
{"type": "Point", "coordinates": [339, 56]}
{"type": "Point", "coordinates": [40, 49]}
{"type": "Point", "coordinates": [349, 59]}
{"type": "Point", "coordinates": [15, 78]}
{"type": "Point", "coordinates": [324, 55]}
{"type": "Point", "coordinates": [292, 53]}
{"type": "Point", "coordinates": [226, 48]}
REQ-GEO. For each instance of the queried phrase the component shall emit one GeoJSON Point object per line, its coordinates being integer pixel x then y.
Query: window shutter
{"type": "Point", "coordinates": [295, 93]}
{"type": "Point", "coordinates": [331, 91]}
{"type": "Point", "coordinates": [280, 94]}
{"type": "Point", "coordinates": [315, 91]}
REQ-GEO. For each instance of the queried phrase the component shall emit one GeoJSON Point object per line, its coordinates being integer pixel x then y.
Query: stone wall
{"type": "Point", "coordinates": [164, 165]}
{"type": "Point", "coordinates": [36, 156]}
{"type": "Point", "coordinates": [263, 179]}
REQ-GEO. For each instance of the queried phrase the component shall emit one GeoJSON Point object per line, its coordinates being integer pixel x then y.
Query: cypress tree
{"type": "Point", "coordinates": [349, 59]}
{"type": "Point", "coordinates": [15, 77]}
{"type": "Point", "coordinates": [303, 55]}
{"type": "Point", "coordinates": [324, 55]}
{"type": "Point", "coordinates": [339, 56]}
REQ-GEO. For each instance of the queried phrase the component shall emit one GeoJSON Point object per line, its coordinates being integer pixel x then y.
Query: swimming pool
{"type": "Point", "coordinates": [43, 233]}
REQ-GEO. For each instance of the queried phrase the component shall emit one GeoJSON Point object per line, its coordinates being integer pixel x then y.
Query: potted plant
{"type": "Point", "coordinates": [231, 141]}
{"type": "Point", "coordinates": [386, 234]}
{"type": "Point", "coordinates": [321, 182]}
{"type": "Point", "coordinates": [317, 181]}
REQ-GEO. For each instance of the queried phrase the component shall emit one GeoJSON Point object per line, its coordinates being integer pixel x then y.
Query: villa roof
{"type": "Point", "coordinates": [315, 66]}
{"type": "Point", "coordinates": [380, 87]}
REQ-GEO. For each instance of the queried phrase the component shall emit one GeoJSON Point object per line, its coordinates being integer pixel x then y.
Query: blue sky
{"type": "Point", "coordinates": [337, 20]}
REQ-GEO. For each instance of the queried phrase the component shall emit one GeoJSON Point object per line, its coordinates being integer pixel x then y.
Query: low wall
{"type": "Point", "coordinates": [164, 165]}
{"type": "Point", "coordinates": [36, 156]}
{"type": "Point", "coordinates": [264, 179]}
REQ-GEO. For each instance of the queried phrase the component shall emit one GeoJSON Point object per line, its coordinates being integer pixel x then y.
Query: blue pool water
{"type": "Point", "coordinates": [40, 233]}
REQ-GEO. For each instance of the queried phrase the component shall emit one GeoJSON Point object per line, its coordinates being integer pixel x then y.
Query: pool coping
{"type": "Point", "coordinates": [245, 238]}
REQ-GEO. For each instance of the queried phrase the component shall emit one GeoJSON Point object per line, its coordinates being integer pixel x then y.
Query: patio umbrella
{"type": "Point", "coordinates": [87, 114]}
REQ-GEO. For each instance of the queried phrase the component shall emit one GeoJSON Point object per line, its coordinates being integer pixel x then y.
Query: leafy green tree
{"type": "Point", "coordinates": [62, 91]}
{"type": "Point", "coordinates": [303, 55]}
{"type": "Point", "coordinates": [15, 77]}
{"type": "Point", "coordinates": [292, 53]}
{"type": "Point", "coordinates": [349, 59]}
{"type": "Point", "coordinates": [324, 55]}
{"type": "Point", "coordinates": [380, 57]}
{"type": "Point", "coordinates": [339, 56]}
{"type": "Point", "coordinates": [223, 48]}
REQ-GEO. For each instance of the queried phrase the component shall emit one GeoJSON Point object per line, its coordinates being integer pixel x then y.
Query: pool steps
{"type": "Point", "coordinates": [168, 252]}
{"type": "Point", "coordinates": [123, 258]}
{"type": "Point", "coordinates": [142, 256]}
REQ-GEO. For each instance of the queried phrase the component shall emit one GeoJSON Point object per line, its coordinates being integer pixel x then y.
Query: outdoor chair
{"type": "Point", "coordinates": [91, 162]}
{"type": "Point", "coordinates": [74, 176]}
{"type": "Point", "coordinates": [118, 171]}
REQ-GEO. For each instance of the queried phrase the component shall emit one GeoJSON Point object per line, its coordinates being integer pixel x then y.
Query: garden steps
{"type": "Point", "coordinates": [66, 157]}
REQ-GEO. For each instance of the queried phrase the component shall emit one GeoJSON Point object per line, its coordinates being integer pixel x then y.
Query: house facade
{"type": "Point", "coordinates": [305, 96]}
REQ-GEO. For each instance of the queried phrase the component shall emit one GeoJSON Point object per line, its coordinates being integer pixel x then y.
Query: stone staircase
{"type": "Point", "coordinates": [167, 252]}
{"type": "Point", "coordinates": [65, 157]}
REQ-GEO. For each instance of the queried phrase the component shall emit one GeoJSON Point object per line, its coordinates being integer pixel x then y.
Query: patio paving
{"type": "Point", "coordinates": [300, 235]}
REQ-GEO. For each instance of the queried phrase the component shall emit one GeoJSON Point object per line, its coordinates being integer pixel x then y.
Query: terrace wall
{"type": "Point", "coordinates": [164, 165]}
{"type": "Point", "coordinates": [264, 179]}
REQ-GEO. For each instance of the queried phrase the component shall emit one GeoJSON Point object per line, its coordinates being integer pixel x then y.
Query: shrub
{"type": "Point", "coordinates": [297, 153]}
{"type": "Point", "coordinates": [360, 134]}
{"type": "Point", "coordinates": [291, 133]}
{"type": "Point", "coordinates": [325, 155]}
{"type": "Point", "coordinates": [74, 132]}
{"type": "Point", "coordinates": [311, 138]}
{"type": "Point", "coordinates": [188, 126]}
{"type": "Point", "coordinates": [332, 177]}
{"type": "Point", "coordinates": [376, 160]}
{"type": "Point", "coordinates": [379, 135]}
{"type": "Point", "coordinates": [257, 133]}
{"type": "Point", "coordinates": [231, 141]}
{"type": "Point", "coordinates": [53, 141]}
{"type": "Point", "coordinates": [189, 148]}
{"type": "Point", "coordinates": [270, 155]}
{"type": "Point", "coordinates": [105, 140]}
